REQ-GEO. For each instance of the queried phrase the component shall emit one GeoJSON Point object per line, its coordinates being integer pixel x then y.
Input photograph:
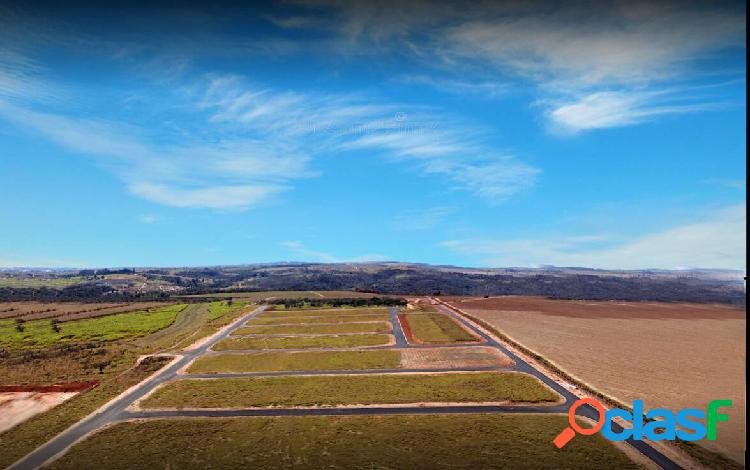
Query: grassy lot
{"type": "Point", "coordinates": [436, 328]}
{"type": "Point", "coordinates": [282, 361]}
{"type": "Point", "coordinates": [210, 327]}
{"type": "Point", "coordinates": [39, 333]}
{"type": "Point", "coordinates": [329, 319]}
{"type": "Point", "coordinates": [22, 439]}
{"type": "Point", "coordinates": [303, 342]}
{"type": "Point", "coordinates": [374, 442]}
{"type": "Point", "coordinates": [326, 312]}
{"type": "Point", "coordinates": [27, 281]}
{"type": "Point", "coordinates": [382, 327]}
{"type": "Point", "coordinates": [219, 309]}
{"type": "Point", "coordinates": [350, 390]}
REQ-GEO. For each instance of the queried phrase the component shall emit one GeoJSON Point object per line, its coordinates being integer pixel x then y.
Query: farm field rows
{"type": "Point", "coordinates": [66, 311]}
{"type": "Point", "coordinates": [637, 350]}
{"type": "Point", "coordinates": [460, 442]}
{"type": "Point", "coordinates": [40, 333]}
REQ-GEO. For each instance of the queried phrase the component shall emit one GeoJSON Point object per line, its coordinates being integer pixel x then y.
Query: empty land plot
{"type": "Point", "coordinates": [671, 355]}
{"type": "Point", "coordinates": [438, 358]}
{"type": "Point", "coordinates": [291, 361]}
{"type": "Point", "coordinates": [498, 441]}
{"type": "Point", "coordinates": [378, 317]}
{"type": "Point", "coordinates": [434, 328]}
{"type": "Point", "coordinates": [340, 390]}
{"type": "Point", "coordinates": [39, 333]}
{"type": "Point", "coordinates": [303, 342]}
{"type": "Point", "coordinates": [379, 327]}
{"type": "Point", "coordinates": [322, 312]}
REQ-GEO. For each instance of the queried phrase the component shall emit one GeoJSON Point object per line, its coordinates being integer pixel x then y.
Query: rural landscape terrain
{"type": "Point", "coordinates": [195, 377]}
{"type": "Point", "coordinates": [373, 235]}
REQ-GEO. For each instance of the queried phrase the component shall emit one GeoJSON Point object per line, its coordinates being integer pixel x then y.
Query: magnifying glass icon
{"type": "Point", "coordinates": [569, 433]}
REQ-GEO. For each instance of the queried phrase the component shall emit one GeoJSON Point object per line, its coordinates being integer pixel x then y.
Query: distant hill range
{"type": "Point", "coordinates": [701, 285]}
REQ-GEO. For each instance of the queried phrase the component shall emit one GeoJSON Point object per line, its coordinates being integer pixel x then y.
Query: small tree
{"type": "Point", "coordinates": [55, 325]}
{"type": "Point", "coordinates": [20, 324]}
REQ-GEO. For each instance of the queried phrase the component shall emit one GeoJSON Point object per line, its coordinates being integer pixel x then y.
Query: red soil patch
{"type": "Point", "coordinates": [68, 387]}
{"type": "Point", "coordinates": [407, 329]}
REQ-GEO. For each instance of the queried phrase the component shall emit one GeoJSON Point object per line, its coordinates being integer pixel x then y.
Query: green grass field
{"type": "Point", "coordinates": [364, 442]}
{"type": "Point", "coordinates": [25, 282]}
{"type": "Point", "coordinates": [381, 327]}
{"type": "Point", "coordinates": [326, 312]}
{"type": "Point", "coordinates": [249, 392]}
{"type": "Point", "coordinates": [217, 310]}
{"type": "Point", "coordinates": [39, 333]}
{"type": "Point", "coordinates": [329, 319]}
{"type": "Point", "coordinates": [436, 328]}
{"type": "Point", "coordinates": [302, 342]}
{"type": "Point", "coordinates": [284, 361]}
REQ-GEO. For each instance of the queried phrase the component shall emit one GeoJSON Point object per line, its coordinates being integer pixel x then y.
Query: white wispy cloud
{"type": "Point", "coordinates": [424, 219]}
{"type": "Point", "coordinates": [486, 89]}
{"type": "Point", "coordinates": [236, 174]}
{"type": "Point", "coordinates": [718, 241]}
{"type": "Point", "coordinates": [593, 56]}
{"type": "Point", "coordinates": [602, 110]}
{"type": "Point", "coordinates": [307, 254]}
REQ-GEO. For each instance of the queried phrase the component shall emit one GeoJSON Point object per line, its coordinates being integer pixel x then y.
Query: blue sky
{"type": "Point", "coordinates": [602, 134]}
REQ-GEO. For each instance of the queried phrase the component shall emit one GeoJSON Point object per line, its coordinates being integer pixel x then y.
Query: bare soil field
{"type": "Point", "coordinates": [17, 407]}
{"type": "Point", "coordinates": [439, 358]}
{"type": "Point", "coordinates": [671, 355]}
{"type": "Point", "coordinates": [66, 311]}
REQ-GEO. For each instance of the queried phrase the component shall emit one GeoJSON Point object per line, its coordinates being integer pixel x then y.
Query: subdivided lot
{"type": "Point", "coordinates": [422, 358]}
{"type": "Point", "coordinates": [327, 312]}
{"type": "Point", "coordinates": [337, 390]}
{"type": "Point", "coordinates": [42, 333]}
{"type": "Point", "coordinates": [671, 355]}
{"type": "Point", "coordinates": [380, 327]}
{"type": "Point", "coordinates": [413, 442]}
{"type": "Point", "coordinates": [260, 320]}
{"type": "Point", "coordinates": [434, 328]}
{"type": "Point", "coordinates": [302, 342]}
{"type": "Point", "coordinates": [289, 361]}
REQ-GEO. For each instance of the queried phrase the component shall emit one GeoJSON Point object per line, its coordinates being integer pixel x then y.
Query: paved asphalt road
{"type": "Point", "coordinates": [398, 332]}
{"type": "Point", "coordinates": [117, 410]}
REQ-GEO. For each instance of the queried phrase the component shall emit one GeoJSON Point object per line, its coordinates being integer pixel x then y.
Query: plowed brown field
{"type": "Point", "coordinates": [671, 355]}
